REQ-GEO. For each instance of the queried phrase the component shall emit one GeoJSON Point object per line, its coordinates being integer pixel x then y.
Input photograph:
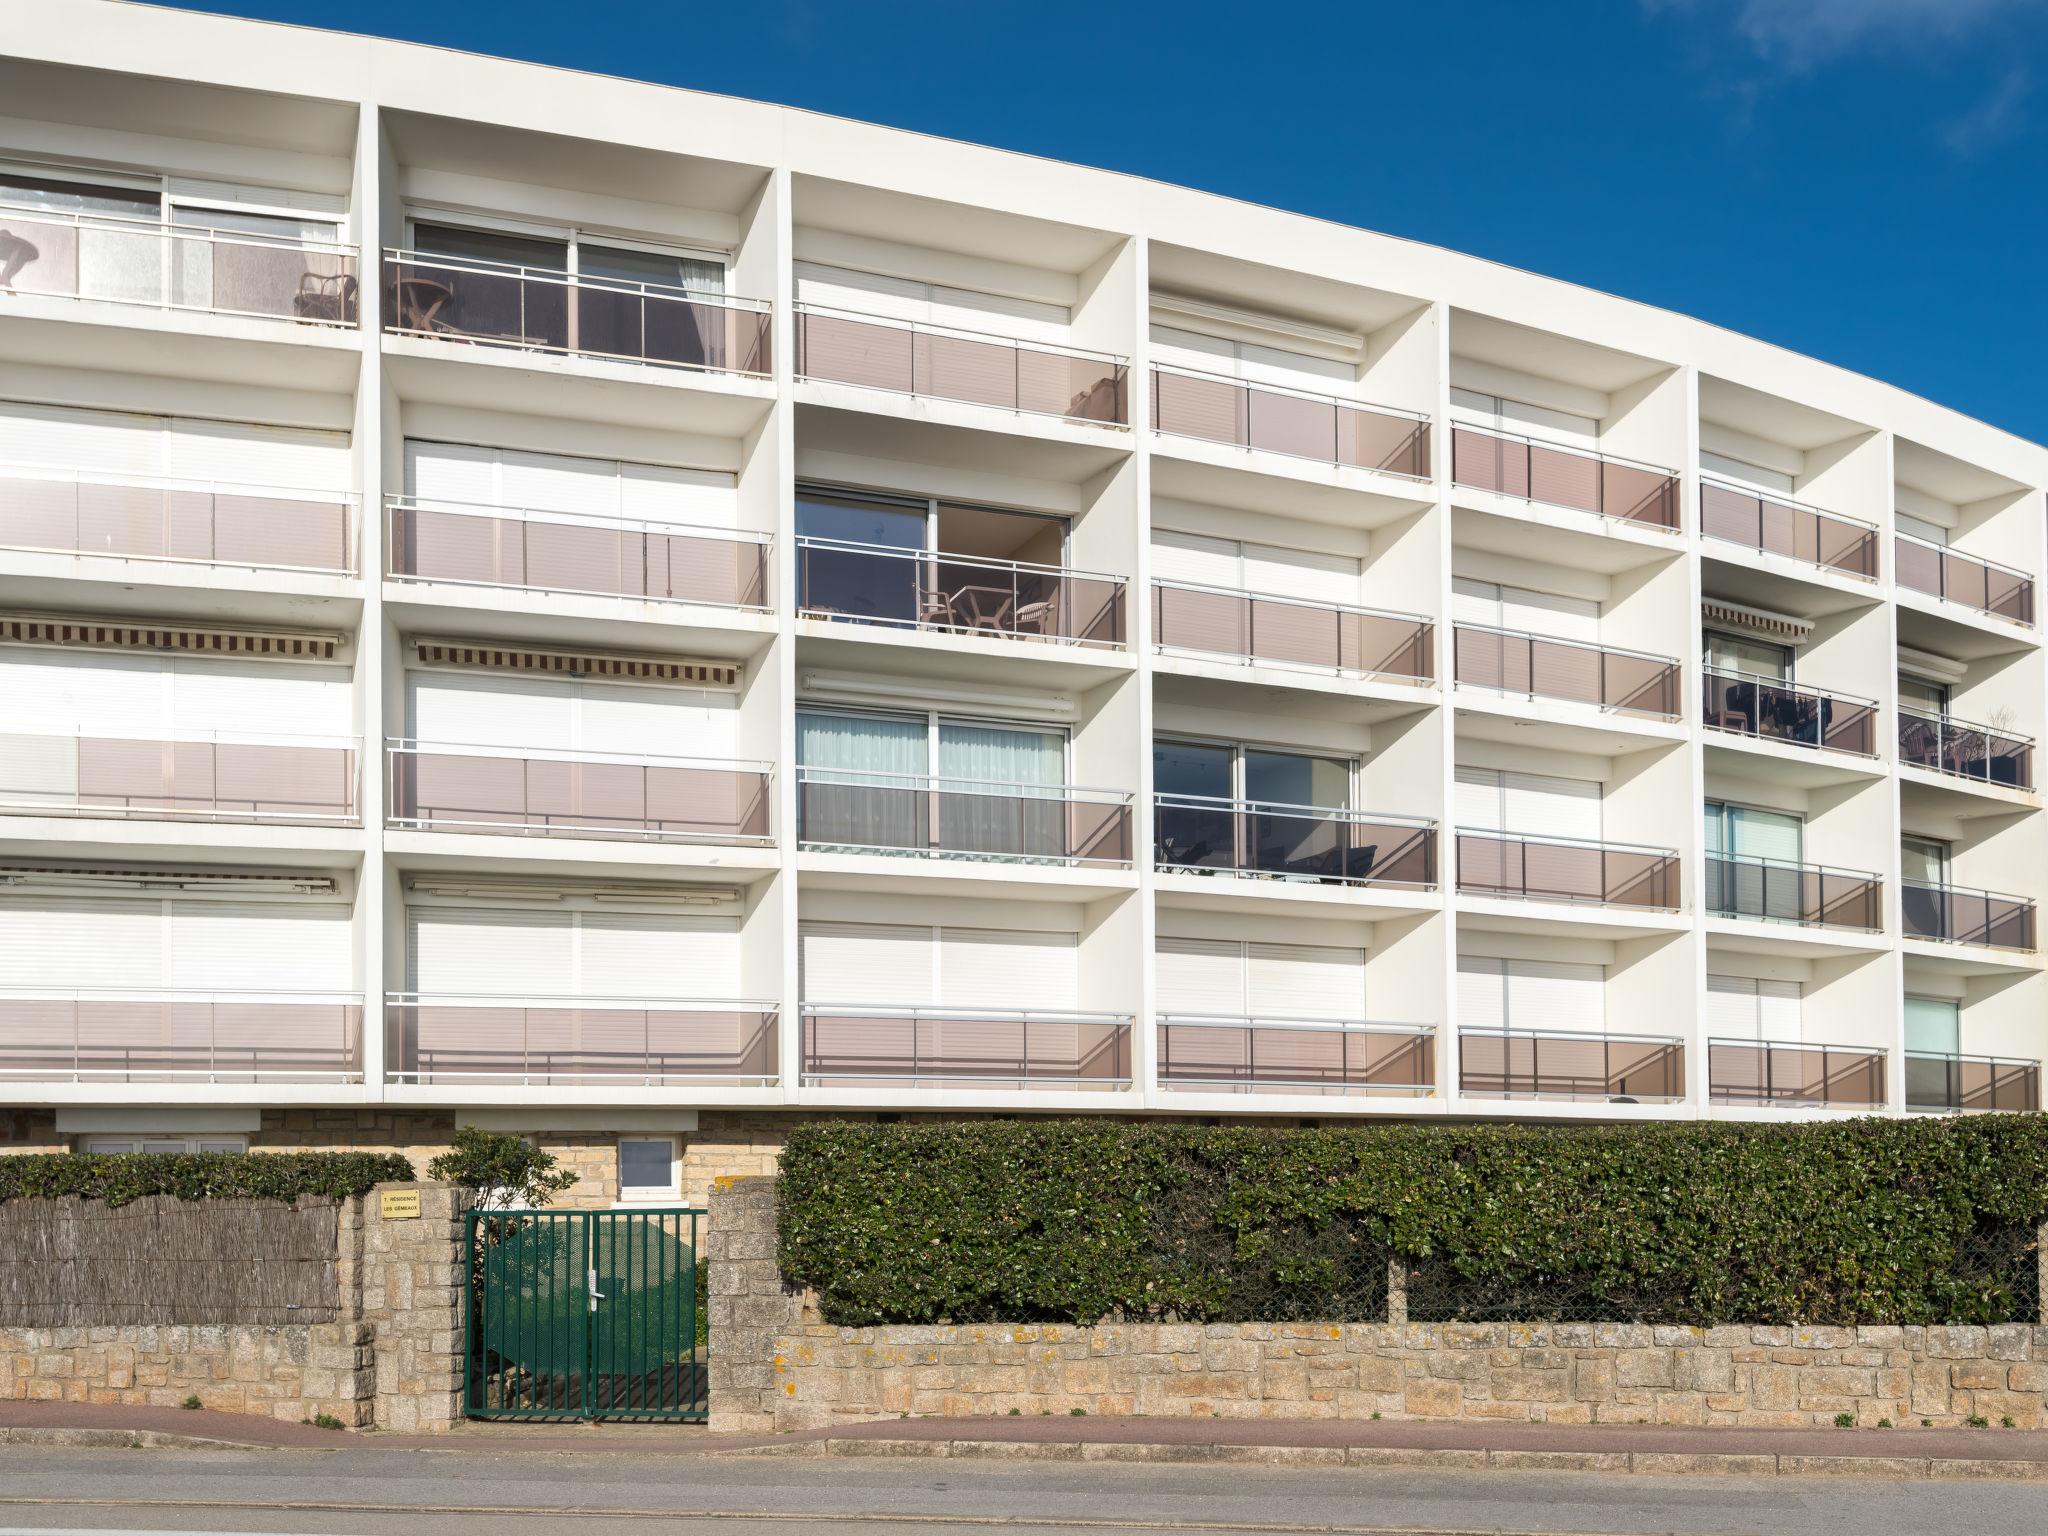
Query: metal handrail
{"type": "Point", "coordinates": [1458, 424]}
{"type": "Point", "coordinates": [1268, 1021]}
{"type": "Point", "coordinates": [179, 994]}
{"type": "Point", "coordinates": [1952, 723]}
{"type": "Point", "coordinates": [862, 778]}
{"type": "Point", "coordinates": [1989, 1061]}
{"type": "Point", "coordinates": [455, 508]}
{"type": "Point", "coordinates": [961, 1015]}
{"type": "Point", "coordinates": [68, 474]}
{"type": "Point", "coordinates": [1565, 842]}
{"type": "Point", "coordinates": [115, 223]}
{"type": "Point", "coordinates": [1578, 645]}
{"type": "Point", "coordinates": [1804, 868]}
{"type": "Point", "coordinates": [941, 557]}
{"type": "Point", "coordinates": [521, 1000]}
{"type": "Point", "coordinates": [1317, 396]}
{"type": "Point", "coordinates": [1781, 501]}
{"type": "Point", "coordinates": [1510, 1032]}
{"type": "Point", "coordinates": [1949, 550]}
{"type": "Point", "coordinates": [1966, 890]}
{"type": "Point", "coordinates": [1800, 1045]}
{"type": "Point", "coordinates": [1786, 685]}
{"type": "Point", "coordinates": [925, 327]}
{"type": "Point", "coordinates": [1284, 808]}
{"type": "Point", "coordinates": [209, 738]}
{"type": "Point", "coordinates": [1293, 601]}
{"type": "Point", "coordinates": [408, 745]}
{"type": "Point", "coordinates": [815, 1069]}
{"type": "Point", "coordinates": [560, 277]}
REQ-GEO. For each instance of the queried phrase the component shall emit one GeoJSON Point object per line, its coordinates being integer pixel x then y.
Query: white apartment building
{"type": "Point", "coordinates": [633, 617]}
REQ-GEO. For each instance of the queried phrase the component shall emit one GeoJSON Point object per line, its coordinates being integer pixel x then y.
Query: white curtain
{"type": "Point", "coordinates": [863, 784]}
{"type": "Point", "coordinates": [999, 791]}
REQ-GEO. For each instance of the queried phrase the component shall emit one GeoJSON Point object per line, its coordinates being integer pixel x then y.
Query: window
{"type": "Point", "coordinates": [110, 1146]}
{"type": "Point", "coordinates": [1756, 658]}
{"type": "Point", "coordinates": [1527, 804]}
{"type": "Point", "coordinates": [1920, 528]}
{"type": "Point", "coordinates": [572, 251]}
{"type": "Point", "coordinates": [1753, 860]}
{"type": "Point", "coordinates": [1302, 575]}
{"type": "Point", "coordinates": [1741, 471]}
{"type": "Point", "coordinates": [1494, 606]}
{"type": "Point", "coordinates": [1261, 775]}
{"type": "Point", "coordinates": [1173, 347]}
{"type": "Point", "coordinates": [1924, 859]}
{"type": "Point", "coordinates": [1745, 832]}
{"type": "Point", "coordinates": [909, 298]}
{"type": "Point", "coordinates": [1933, 1028]}
{"type": "Point", "coordinates": [1531, 995]}
{"type": "Point", "coordinates": [1750, 1008]}
{"type": "Point", "coordinates": [1523, 419]}
{"type": "Point", "coordinates": [1918, 693]}
{"type": "Point", "coordinates": [648, 1168]}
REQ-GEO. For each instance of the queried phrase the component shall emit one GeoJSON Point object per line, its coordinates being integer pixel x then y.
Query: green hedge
{"type": "Point", "coordinates": [117, 1179]}
{"type": "Point", "coordinates": [1864, 1221]}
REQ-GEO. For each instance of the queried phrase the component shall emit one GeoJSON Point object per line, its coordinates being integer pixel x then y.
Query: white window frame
{"type": "Point", "coordinates": [572, 237]}
{"type": "Point", "coordinates": [906, 502]}
{"type": "Point", "coordinates": [170, 196]}
{"type": "Point", "coordinates": [1237, 747]}
{"type": "Point", "coordinates": [670, 1193]}
{"type": "Point", "coordinates": [934, 719]}
{"type": "Point", "coordinates": [165, 1145]}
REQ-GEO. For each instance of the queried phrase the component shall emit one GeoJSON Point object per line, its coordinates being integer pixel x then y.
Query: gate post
{"type": "Point", "coordinates": [415, 1279]}
{"type": "Point", "coordinates": [749, 1306]}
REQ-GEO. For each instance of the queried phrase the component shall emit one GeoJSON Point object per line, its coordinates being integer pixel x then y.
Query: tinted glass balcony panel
{"type": "Point", "coordinates": [1969, 1084]}
{"type": "Point", "coordinates": [1955, 577]}
{"type": "Point", "coordinates": [1242, 1055]}
{"type": "Point", "coordinates": [913, 814]}
{"type": "Point", "coordinates": [541, 310]}
{"type": "Point", "coordinates": [1550, 869]}
{"type": "Point", "coordinates": [938, 1047]}
{"type": "Point", "coordinates": [1796, 1075]}
{"type": "Point", "coordinates": [907, 358]}
{"type": "Point", "coordinates": [1291, 632]}
{"type": "Point", "coordinates": [193, 522]}
{"type": "Point", "coordinates": [1559, 1064]}
{"type": "Point", "coordinates": [1807, 534]}
{"type": "Point", "coordinates": [585, 1041]}
{"type": "Point", "coordinates": [1540, 667]}
{"type": "Point", "coordinates": [1297, 423]}
{"type": "Point", "coordinates": [1941, 744]}
{"type": "Point", "coordinates": [1953, 914]}
{"type": "Point", "coordinates": [1527, 470]}
{"type": "Point", "coordinates": [1777, 891]}
{"type": "Point", "coordinates": [179, 267]}
{"type": "Point", "coordinates": [920, 589]}
{"type": "Point", "coordinates": [564, 552]}
{"type": "Point", "coordinates": [454, 788]}
{"type": "Point", "coordinates": [251, 778]}
{"type": "Point", "coordinates": [1194, 833]}
{"type": "Point", "coordinates": [1771, 710]}
{"type": "Point", "coordinates": [109, 1036]}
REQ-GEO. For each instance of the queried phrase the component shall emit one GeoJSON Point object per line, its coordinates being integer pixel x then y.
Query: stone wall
{"type": "Point", "coordinates": [411, 1299]}
{"type": "Point", "coordinates": [776, 1366]}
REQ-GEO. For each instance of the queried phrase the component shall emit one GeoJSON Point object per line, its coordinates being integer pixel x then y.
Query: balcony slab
{"type": "Point", "coordinates": [1806, 767]}
{"type": "Point", "coordinates": [179, 344]}
{"type": "Point", "coordinates": [511, 853]}
{"type": "Point", "coordinates": [951, 434]}
{"type": "Point", "coordinates": [1186, 677]}
{"type": "Point", "coordinates": [1742, 936]}
{"type": "Point", "coordinates": [1254, 480]}
{"type": "Point", "coordinates": [941, 656]}
{"type": "Point", "coordinates": [1950, 794]}
{"type": "Point", "coordinates": [1957, 629]}
{"type": "Point", "coordinates": [1534, 530]}
{"type": "Point", "coordinates": [1969, 959]}
{"type": "Point", "coordinates": [1223, 892]}
{"type": "Point", "coordinates": [519, 615]}
{"type": "Point", "coordinates": [1764, 579]}
{"type": "Point", "coordinates": [27, 1094]}
{"type": "Point", "coordinates": [963, 876]}
{"type": "Point", "coordinates": [1560, 726]}
{"type": "Point", "coordinates": [1495, 914]}
{"type": "Point", "coordinates": [160, 840]}
{"type": "Point", "coordinates": [623, 1096]}
{"type": "Point", "coordinates": [114, 584]}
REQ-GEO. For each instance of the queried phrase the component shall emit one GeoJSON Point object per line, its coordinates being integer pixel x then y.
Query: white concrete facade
{"type": "Point", "coordinates": [522, 588]}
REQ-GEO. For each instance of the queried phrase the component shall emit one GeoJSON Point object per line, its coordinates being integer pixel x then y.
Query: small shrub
{"type": "Point", "coordinates": [327, 1421]}
{"type": "Point", "coordinates": [506, 1171]}
{"type": "Point", "coordinates": [192, 1402]}
{"type": "Point", "coordinates": [1977, 1421]}
{"type": "Point", "coordinates": [1079, 1413]}
{"type": "Point", "coordinates": [1884, 1423]}
{"type": "Point", "coordinates": [2006, 1422]}
{"type": "Point", "coordinates": [1845, 1421]}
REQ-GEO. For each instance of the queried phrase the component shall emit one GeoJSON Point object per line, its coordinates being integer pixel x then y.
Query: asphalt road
{"type": "Point", "coordinates": [470, 1492]}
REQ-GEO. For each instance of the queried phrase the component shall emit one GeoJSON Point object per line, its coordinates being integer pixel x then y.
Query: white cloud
{"type": "Point", "coordinates": [1797, 35]}
{"type": "Point", "coordinates": [1996, 118]}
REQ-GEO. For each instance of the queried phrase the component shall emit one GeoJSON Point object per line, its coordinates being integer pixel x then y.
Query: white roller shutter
{"type": "Point", "coordinates": [260, 698]}
{"type": "Point", "coordinates": [1003, 968]}
{"type": "Point", "coordinates": [656, 722]}
{"type": "Point", "coordinates": [1305, 981]}
{"type": "Point", "coordinates": [1556, 994]}
{"type": "Point", "coordinates": [900, 298]}
{"type": "Point", "coordinates": [556, 482]}
{"type": "Point", "coordinates": [84, 693]}
{"type": "Point", "coordinates": [868, 293]}
{"type": "Point", "coordinates": [654, 494]}
{"type": "Point", "coordinates": [1301, 573]}
{"type": "Point", "coordinates": [1748, 1008]}
{"type": "Point", "coordinates": [867, 964]}
{"type": "Point", "coordinates": [235, 946]}
{"type": "Point", "coordinates": [82, 941]}
{"type": "Point", "coordinates": [1173, 347]}
{"type": "Point", "coordinates": [1196, 558]}
{"type": "Point", "coordinates": [1542, 805]}
{"type": "Point", "coordinates": [1525, 420]}
{"type": "Point", "coordinates": [1550, 614]}
{"type": "Point", "coordinates": [1475, 602]}
{"type": "Point", "coordinates": [106, 442]}
{"type": "Point", "coordinates": [480, 710]}
{"type": "Point", "coordinates": [657, 955]}
{"type": "Point", "coordinates": [1199, 976]}
{"type": "Point", "coordinates": [1478, 801]}
{"type": "Point", "coordinates": [1739, 470]}
{"type": "Point", "coordinates": [452, 952]}
{"type": "Point", "coordinates": [235, 453]}
{"type": "Point", "coordinates": [1482, 992]}
{"type": "Point", "coordinates": [451, 472]}
{"type": "Point", "coordinates": [1777, 1010]}
{"type": "Point", "coordinates": [1253, 363]}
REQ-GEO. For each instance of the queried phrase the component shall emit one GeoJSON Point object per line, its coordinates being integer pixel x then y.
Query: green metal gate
{"type": "Point", "coordinates": [584, 1315]}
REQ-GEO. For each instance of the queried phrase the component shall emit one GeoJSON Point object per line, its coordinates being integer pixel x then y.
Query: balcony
{"type": "Point", "coordinates": [960, 595]}
{"type": "Point", "coordinates": [1539, 667]}
{"type": "Point", "coordinates": [1796, 1076]}
{"type": "Point", "coordinates": [896, 813]}
{"type": "Point", "coordinates": [1768, 709]}
{"type": "Point", "coordinates": [93, 1035]}
{"type": "Point", "coordinates": [904, 357]}
{"type": "Point", "coordinates": [1258, 628]}
{"type": "Point", "coordinates": [1971, 1083]}
{"type": "Point", "coordinates": [252, 778]}
{"type": "Point", "coordinates": [1197, 834]}
{"type": "Point", "coordinates": [1954, 914]}
{"type": "Point", "coordinates": [1559, 869]}
{"type": "Point", "coordinates": [444, 787]}
{"type": "Point", "coordinates": [1217, 1054]}
{"type": "Point", "coordinates": [191, 522]}
{"type": "Point", "coordinates": [1941, 744]}
{"type": "Point", "coordinates": [1293, 422]}
{"type": "Point", "coordinates": [965, 1047]}
{"type": "Point", "coordinates": [554, 1042]}
{"type": "Point", "coordinates": [1767, 525]}
{"type": "Point", "coordinates": [149, 265]}
{"type": "Point", "coordinates": [484, 546]}
{"type": "Point", "coordinates": [532, 309]}
{"type": "Point", "coordinates": [1804, 895]}
{"type": "Point", "coordinates": [1943, 573]}
{"type": "Point", "coordinates": [1521, 468]}
{"type": "Point", "coordinates": [1563, 1064]}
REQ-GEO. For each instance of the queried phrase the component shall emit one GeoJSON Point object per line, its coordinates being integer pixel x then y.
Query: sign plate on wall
{"type": "Point", "coordinates": [398, 1204]}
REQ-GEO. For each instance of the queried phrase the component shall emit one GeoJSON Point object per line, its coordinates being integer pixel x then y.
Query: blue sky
{"type": "Point", "coordinates": [1863, 180]}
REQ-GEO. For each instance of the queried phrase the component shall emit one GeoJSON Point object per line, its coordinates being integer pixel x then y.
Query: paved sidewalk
{"type": "Point", "coordinates": [1647, 1448]}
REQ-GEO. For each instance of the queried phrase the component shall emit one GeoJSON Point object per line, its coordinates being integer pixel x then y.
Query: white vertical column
{"type": "Point", "coordinates": [1138, 598]}
{"type": "Point", "coordinates": [1892, 1029]}
{"type": "Point", "coordinates": [375, 179]}
{"type": "Point", "coordinates": [1692, 846]}
{"type": "Point", "coordinates": [1446, 657]}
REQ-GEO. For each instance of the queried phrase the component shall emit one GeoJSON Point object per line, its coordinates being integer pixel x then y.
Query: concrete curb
{"type": "Point", "coordinates": [1637, 1463]}
{"type": "Point", "coordinates": [131, 1439]}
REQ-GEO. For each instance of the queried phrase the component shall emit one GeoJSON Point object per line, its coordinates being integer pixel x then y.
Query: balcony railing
{"type": "Point", "coordinates": [202, 777]}
{"type": "Point", "coordinates": [1954, 914]}
{"type": "Point", "coordinates": [965, 1047]}
{"type": "Point", "coordinates": [1542, 667]}
{"type": "Point", "coordinates": [1776, 1072]}
{"type": "Point", "coordinates": [1562, 869]}
{"type": "Point", "coordinates": [958, 594]}
{"type": "Point", "coordinates": [1771, 526]}
{"type": "Point", "coordinates": [191, 522]}
{"type": "Point", "coordinates": [536, 309]}
{"type": "Point", "coordinates": [446, 787]}
{"type": "Point", "coordinates": [1954, 577]}
{"type": "Point", "coordinates": [905, 357]}
{"type": "Point", "coordinates": [901, 813]}
{"type": "Point", "coordinates": [1208, 1053]}
{"type": "Point", "coordinates": [110, 1035]}
{"type": "Point", "coordinates": [1780, 891]}
{"type": "Point", "coordinates": [141, 262]}
{"type": "Point", "coordinates": [1563, 1064]}
{"type": "Point", "coordinates": [1971, 1083]}
{"type": "Point", "coordinates": [1294, 422]}
{"type": "Point", "coordinates": [1202, 835]}
{"type": "Point", "coordinates": [1769, 709]}
{"type": "Point", "coordinates": [1944, 745]}
{"type": "Point", "coordinates": [1556, 476]}
{"type": "Point", "coordinates": [483, 546]}
{"type": "Point", "coordinates": [580, 1041]}
{"type": "Point", "coordinates": [1264, 629]}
